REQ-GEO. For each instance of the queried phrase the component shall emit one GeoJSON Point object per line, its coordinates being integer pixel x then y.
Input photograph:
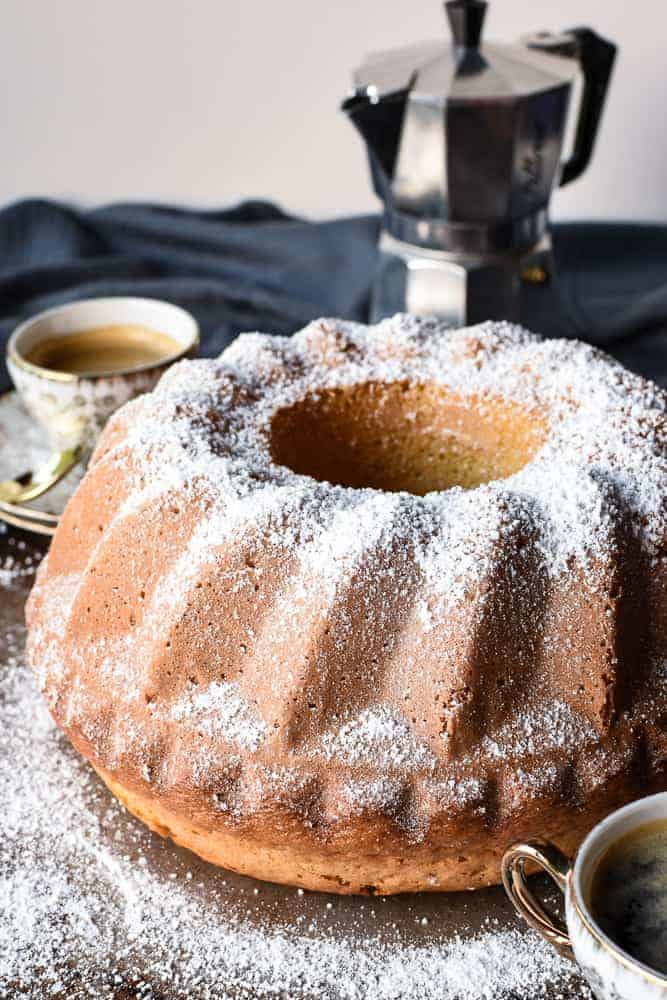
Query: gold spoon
{"type": "Point", "coordinates": [31, 485]}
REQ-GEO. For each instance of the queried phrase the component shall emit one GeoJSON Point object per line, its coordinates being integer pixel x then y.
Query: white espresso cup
{"type": "Point", "coordinates": [73, 407]}
{"type": "Point", "coordinates": [611, 972]}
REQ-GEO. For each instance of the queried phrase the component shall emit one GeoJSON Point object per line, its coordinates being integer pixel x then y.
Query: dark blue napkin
{"type": "Point", "coordinates": [255, 268]}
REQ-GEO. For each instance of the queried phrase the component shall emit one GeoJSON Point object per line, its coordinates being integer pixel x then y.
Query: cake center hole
{"type": "Point", "coordinates": [404, 436]}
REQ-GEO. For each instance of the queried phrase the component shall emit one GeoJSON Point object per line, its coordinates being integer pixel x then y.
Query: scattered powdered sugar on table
{"type": "Point", "coordinates": [92, 905]}
{"type": "Point", "coordinates": [18, 563]}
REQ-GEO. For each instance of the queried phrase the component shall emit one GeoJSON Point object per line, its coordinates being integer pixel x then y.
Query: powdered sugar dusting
{"type": "Point", "coordinates": [608, 422]}
{"type": "Point", "coordinates": [556, 725]}
{"type": "Point", "coordinates": [220, 710]}
{"type": "Point", "coordinates": [606, 444]}
{"type": "Point", "coordinates": [377, 736]}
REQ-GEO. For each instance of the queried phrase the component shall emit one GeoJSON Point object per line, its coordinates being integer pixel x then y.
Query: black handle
{"type": "Point", "coordinates": [596, 57]}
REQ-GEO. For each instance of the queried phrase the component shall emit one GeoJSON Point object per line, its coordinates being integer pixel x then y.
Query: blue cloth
{"type": "Point", "coordinates": [254, 268]}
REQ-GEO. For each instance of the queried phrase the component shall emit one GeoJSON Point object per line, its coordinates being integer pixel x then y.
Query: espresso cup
{"type": "Point", "coordinates": [73, 406]}
{"type": "Point", "coordinates": [135, 341]}
{"type": "Point", "coordinates": [611, 972]}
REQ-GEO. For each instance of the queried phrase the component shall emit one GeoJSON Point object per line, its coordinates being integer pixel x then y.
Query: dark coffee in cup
{"type": "Point", "coordinates": [629, 894]}
{"type": "Point", "coordinates": [105, 349]}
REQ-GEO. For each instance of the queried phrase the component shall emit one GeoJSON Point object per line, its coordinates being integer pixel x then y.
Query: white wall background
{"type": "Point", "coordinates": [204, 101]}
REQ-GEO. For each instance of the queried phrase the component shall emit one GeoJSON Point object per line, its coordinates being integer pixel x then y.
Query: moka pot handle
{"type": "Point", "coordinates": [596, 57]}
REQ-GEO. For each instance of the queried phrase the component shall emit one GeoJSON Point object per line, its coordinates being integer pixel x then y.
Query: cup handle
{"type": "Point", "coordinates": [557, 866]}
{"type": "Point", "coordinates": [31, 485]}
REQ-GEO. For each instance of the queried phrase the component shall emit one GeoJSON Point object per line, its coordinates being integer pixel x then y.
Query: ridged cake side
{"type": "Point", "coordinates": [334, 672]}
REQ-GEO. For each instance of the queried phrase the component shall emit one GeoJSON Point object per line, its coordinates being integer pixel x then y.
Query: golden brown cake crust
{"type": "Point", "coordinates": [356, 609]}
{"type": "Point", "coordinates": [471, 863]}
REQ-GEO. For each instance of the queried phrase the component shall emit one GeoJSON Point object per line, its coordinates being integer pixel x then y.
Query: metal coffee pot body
{"type": "Point", "coordinates": [465, 144]}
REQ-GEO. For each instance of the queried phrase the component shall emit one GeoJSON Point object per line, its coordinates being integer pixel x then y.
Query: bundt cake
{"type": "Point", "coordinates": [354, 610]}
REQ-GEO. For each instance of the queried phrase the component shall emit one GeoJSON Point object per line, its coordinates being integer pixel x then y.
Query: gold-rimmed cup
{"type": "Point", "coordinates": [72, 406]}
{"type": "Point", "coordinates": [611, 972]}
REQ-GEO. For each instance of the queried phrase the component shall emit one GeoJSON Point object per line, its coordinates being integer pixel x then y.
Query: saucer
{"type": "Point", "coordinates": [24, 445]}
